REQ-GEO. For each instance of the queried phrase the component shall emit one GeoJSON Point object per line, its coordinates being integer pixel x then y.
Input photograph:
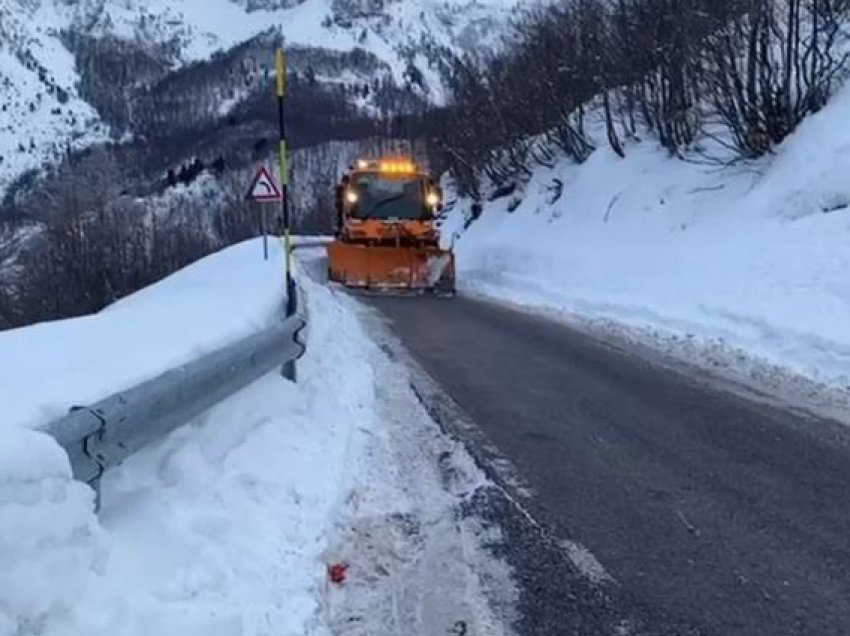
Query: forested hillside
{"type": "Point", "coordinates": [721, 80]}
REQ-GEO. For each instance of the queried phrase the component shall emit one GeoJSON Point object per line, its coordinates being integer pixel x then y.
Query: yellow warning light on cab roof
{"type": "Point", "coordinates": [397, 166]}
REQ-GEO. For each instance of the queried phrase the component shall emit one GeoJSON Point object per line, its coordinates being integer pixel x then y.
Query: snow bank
{"type": "Point", "coordinates": [48, 368]}
{"type": "Point", "coordinates": [754, 256]}
{"type": "Point", "coordinates": [50, 543]}
{"type": "Point", "coordinates": [218, 528]}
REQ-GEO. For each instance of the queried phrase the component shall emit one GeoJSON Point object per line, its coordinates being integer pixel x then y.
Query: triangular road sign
{"type": "Point", "coordinates": [264, 189]}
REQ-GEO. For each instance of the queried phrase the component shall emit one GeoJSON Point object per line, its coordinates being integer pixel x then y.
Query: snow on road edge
{"type": "Point", "coordinates": [420, 558]}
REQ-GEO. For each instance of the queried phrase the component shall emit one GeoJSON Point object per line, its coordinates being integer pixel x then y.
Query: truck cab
{"type": "Point", "coordinates": [388, 202]}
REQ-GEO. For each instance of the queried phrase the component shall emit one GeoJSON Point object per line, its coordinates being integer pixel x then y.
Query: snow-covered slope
{"type": "Point", "coordinates": [197, 28]}
{"type": "Point", "coordinates": [42, 108]}
{"type": "Point", "coordinates": [750, 258]}
{"type": "Point", "coordinates": [41, 111]}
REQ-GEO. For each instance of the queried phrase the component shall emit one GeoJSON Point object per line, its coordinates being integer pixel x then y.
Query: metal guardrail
{"type": "Point", "coordinates": [101, 436]}
{"type": "Point", "coordinates": [312, 242]}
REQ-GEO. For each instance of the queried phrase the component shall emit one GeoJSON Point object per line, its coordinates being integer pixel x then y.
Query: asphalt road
{"type": "Point", "coordinates": [714, 513]}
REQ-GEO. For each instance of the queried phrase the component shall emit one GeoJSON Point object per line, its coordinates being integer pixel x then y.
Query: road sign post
{"type": "Point", "coordinates": [264, 190]}
{"type": "Point", "coordinates": [265, 234]}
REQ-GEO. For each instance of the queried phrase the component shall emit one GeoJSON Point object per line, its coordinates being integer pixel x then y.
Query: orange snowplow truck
{"type": "Point", "coordinates": [387, 236]}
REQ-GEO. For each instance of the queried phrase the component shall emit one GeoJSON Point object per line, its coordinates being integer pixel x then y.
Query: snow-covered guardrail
{"type": "Point", "coordinates": [101, 436]}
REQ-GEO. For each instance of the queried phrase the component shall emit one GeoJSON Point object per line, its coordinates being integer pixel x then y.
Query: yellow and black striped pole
{"type": "Point", "coordinates": [291, 292]}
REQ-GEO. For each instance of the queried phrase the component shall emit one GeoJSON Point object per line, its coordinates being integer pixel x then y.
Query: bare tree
{"type": "Point", "coordinates": [744, 72]}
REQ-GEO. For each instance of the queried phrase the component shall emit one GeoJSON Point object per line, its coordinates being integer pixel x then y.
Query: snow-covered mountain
{"type": "Point", "coordinates": [73, 72]}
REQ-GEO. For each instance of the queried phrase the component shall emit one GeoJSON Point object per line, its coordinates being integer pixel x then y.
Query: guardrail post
{"type": "Point", "coordinates": [289, 370]}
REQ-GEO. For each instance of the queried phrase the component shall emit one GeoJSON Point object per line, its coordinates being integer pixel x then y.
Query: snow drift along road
{"type": "Point", "coordinates": [217, 529]}
{"type": "Point", "coordinates": [52, 366]}
{"type": "Point", "coordinates": [752, 257]}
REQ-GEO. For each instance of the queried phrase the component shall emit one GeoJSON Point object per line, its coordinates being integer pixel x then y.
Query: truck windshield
{"type": "Point", "coordinates": [389, 198]}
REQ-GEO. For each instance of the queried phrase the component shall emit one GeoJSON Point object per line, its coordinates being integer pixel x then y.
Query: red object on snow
{"type": "Point", "coordinates": [337, 573]}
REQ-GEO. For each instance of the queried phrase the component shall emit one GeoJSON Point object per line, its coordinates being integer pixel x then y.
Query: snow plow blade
{"type": "Point", "coordinates": [387, 268]}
